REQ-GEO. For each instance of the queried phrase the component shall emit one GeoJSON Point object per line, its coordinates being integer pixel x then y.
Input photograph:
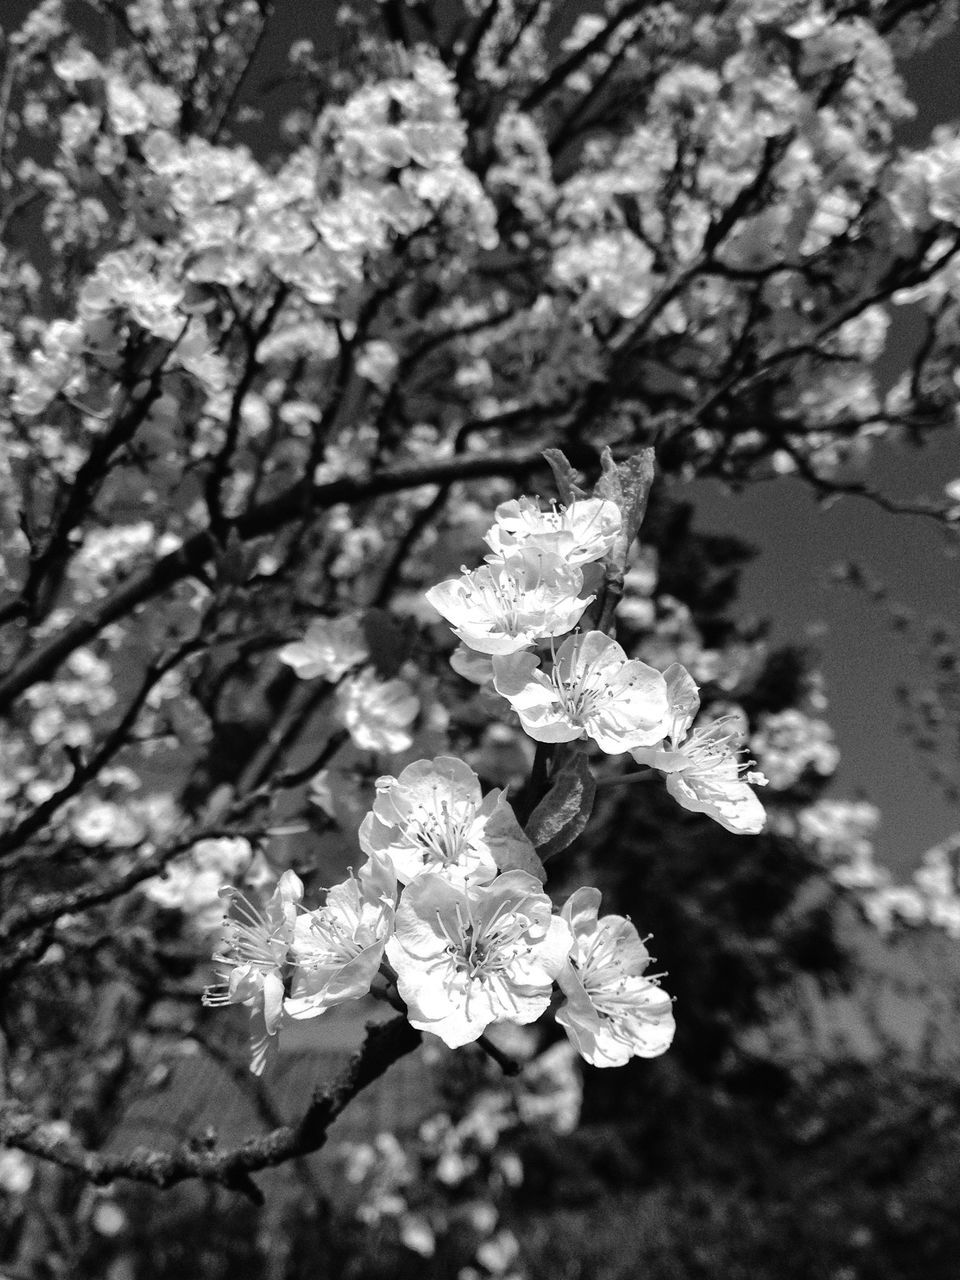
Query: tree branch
{"type": "Point", "coordinates": [385, 1043]}
{"type": "Point", "coordinates": [258, 522]}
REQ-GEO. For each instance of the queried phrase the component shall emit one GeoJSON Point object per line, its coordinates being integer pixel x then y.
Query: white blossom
{"type": "Point", "coordinates": [377, 362]}
{"type": "Point", "coordinates": [468, 956]}
{"type": "Point", "coordinates": [613, 1010]}
{"type": "Point", "coordinates": [255, 948]}
{"type": "Point", "coordinates": [703, 772]}
{"type": "Point", "coordinates": [338, 947]}
{"type": "Point", "coordinates": [377, 713]}
{"type": "Point", "coordinates": [16, 1171]}
{"type": "Point", "coordinates": [191, 883]}
{"type": "Point", "coordinates": [593, 691]}
{"type": "Point", "coordinates": [433, 817]}
{"type": "Point", "coordinates": [503, 607]}
{"type": "Point", "coordinates": [580, 533]}
{"type": "Point", "coordinates": [330, 648]}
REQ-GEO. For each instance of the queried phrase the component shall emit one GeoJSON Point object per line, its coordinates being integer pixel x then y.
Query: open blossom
{"type": "Point", "coordinates": [434, 818]}
{"type": "Point", "coordinates": [613, 1011]}
{"type": "Point", "coordinates": [593, 691]}
{"type": "Point", "coordinates": [338, 947]}
{"type": "Point", "coordinates": [191, 883]}
{"type": "Point", "coordinates": [255, 948]}
{"type": "Point", "coordinates": [377, 713]}
{"type": "Point", "coordinates": [468, 956]}
{"type": "Point", "coordinates": [330, 648]}
{"type": "Point", "coordinates": [703, 772]}
{"type": "Point", "coordinates": [527, 596]}
{"type": "Point", "coordinates": [580, 534]}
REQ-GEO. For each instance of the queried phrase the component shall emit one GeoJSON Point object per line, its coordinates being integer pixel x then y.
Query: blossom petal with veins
{"type": "Point", "coordinates": [433, 817]}
{"type": "Point", "coordinates": [580, 533]}
{"type": "Point", "coordinates": [468, 956]}
{"type": "Point", "coordinates": [703, 773]}
{"type": "Point", "coordinates": [593, 691]}
{"type": "Point", "coordinates": [255, 945]}
{"type": "Point", "coordinates": [613, 1011]}
{"type": "Point", "coordinates": [338, 948]}
{"type": "Point", "coordinates": [503, 607]}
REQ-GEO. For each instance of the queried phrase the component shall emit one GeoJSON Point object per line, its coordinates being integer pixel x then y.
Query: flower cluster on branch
{"type": "Point", "coordinates": [448, 913]}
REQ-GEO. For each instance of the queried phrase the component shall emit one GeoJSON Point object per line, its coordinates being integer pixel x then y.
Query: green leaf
{"type": "Point", "coordinates": [566, 808]}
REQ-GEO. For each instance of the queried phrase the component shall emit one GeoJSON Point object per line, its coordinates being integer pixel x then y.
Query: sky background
{"type": "Point", "coordinates": [800, 540]}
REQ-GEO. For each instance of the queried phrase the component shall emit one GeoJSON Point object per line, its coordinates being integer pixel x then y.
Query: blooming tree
{"type": "Point", "coordinates": [345, 403]}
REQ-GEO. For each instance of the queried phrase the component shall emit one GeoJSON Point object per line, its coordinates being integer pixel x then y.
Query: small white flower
{"type": "Point", "coordinates": [468, 956]}
{"type": "Point", "coordinates": [593, 691]}
{"type": "Point", "coordinates": [377, 362]}
{"type": "Point", "coordinates": [192, 882]}
{"type": "Point", "coordinates": [499, 1252]}
{"type": "Point", "coordinates": [703, 772]}
{"type": "Point", "coordinates": [377, 713]}
{"type": "Point", "coordinates": [509, 605]}
{"type": "Point", "coordinates": [16, 1171]}
{"type": "Point", "coordinates": [580, 534]}
{"type": "Point", "coordinates": [788, 743]}
{"type": "Point", "coordinates": [255, 947]}
{"type": "Point", "coordinates": [894, 904]}
{"type": "Point", "coordinates": [417, 1235]}
{"type": "Point", "coordinates": [613, 1011]}
{"type": "Point", "coordinates": [100, 822]}
{"type": "Point", "coordinates": [338, 948]}
{"type": "Point", "coordinates": [434, 818]}
{"type": "Point", "coordinates": [330, 648]}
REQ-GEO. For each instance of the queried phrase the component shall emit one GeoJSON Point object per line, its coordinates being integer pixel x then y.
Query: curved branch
{"type": "Point", "coordinates": [384, 1044]}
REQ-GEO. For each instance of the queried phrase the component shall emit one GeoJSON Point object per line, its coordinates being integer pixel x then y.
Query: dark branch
{"type": "Point", "coordinates": [260, 521]}
{"type": "Point", "coordinates": [385, 1043]}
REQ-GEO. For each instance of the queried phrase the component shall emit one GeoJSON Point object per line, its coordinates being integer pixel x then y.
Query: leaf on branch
{"type": "Point", "coordinates": [566, 808]}
{"type": "Point", "coordinates": [628, 485]}
{"type": "Point", "coordinates": [510, 845]}
{"type": "Point", "coordinates": [563, 474]}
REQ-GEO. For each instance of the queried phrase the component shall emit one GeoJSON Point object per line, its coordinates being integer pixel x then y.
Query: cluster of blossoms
{"type": "Point", "coordinates": [449, 908]}
{"type": "Point", "coordinates": [788, 743]}
{"type": "Point", "coordinates": [443, 1186]}
{"type": "Point", "coordinates": [543, 573]}
{"type": "Point", "coordinates": [376, 713]}
{"type": "Point", "coordinates": [842, 832]}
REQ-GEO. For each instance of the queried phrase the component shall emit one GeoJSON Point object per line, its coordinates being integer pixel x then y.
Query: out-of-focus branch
{"type": "Point", "coordinates": [46, 568]}
{"type": "Point", "coordinates": [385, 1043]}
{"type": "Point", "coordinates": [564, 69]}
{"type": "Point", "coordinates": [110, 745]}
{"type": "Point", "coordinates": [264, 519]}
{"type": "Point", "coordinates": [44, 908]}
{"type": "Point", "coordinates": [826, 487]}
{"type": "Point", "coordinates": [232, 98]}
